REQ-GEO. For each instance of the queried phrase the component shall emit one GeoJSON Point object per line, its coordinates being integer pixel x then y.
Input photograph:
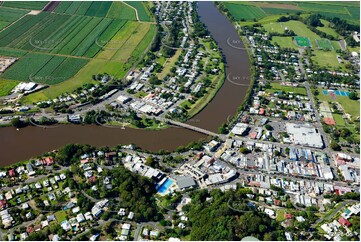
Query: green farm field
{"type": "Point", "coordinates": [6, 86]}
{"type": "Point", "coordinates": [122, 11]}
{"type": "Point", "coordinates": [243, 11]}
{"type": "Point", "coordinates": [36, 5]}
{"type": "Point", "coordinates": [143, 12]}
{"type": "Point", "coordinates": [44, 68]}
{"type": "Point", "coordinates": [63, 49]}
{"type": "Point", "coordinates": [349, 11]}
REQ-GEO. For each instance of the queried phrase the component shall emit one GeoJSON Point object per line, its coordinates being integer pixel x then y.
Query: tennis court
{"type": "Point", "coordinates": [336, 93]}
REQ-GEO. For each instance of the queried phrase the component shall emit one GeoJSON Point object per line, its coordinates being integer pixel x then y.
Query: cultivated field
{"type": "Point", "coordinates": [6, 86]}
{"type": "Point", "coordinates": [349, 11]}
{"type": "Point", "coordinates": [122, 11]}
{"type": "Point", "coordinates": [44, 68]}
{"type": "Point", "coordinates": [64, 48]}
{"type": "Point", "coordinates": [9, 15]}
{"type": "Point", "coordinates": [143, 12]}
{"type": "Point", "coordinates": [246, 12]}
{"type": "Point", "coordinates": [36, 5]}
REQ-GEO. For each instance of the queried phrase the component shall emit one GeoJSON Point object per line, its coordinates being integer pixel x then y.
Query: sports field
{"type": "Point", "coordinates": [303, 41]}
{"type": "Point", "coordinates": [350, 106]}
{"type": "Point", "coordinates": [324, 44]}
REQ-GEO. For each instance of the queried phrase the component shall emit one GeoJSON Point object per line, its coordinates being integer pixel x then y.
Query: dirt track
{"type": "Point", "coordinates": [51, 6]}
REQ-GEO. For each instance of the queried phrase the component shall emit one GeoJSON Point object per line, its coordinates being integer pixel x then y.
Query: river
{"type": "Point", "coordinates": [17, 145]}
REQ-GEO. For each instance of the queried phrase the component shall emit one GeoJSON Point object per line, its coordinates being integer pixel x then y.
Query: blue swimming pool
{"type": "Point", "coordinates": [325, 92]}
{"type": "Point", "coordinates": [165, 186]}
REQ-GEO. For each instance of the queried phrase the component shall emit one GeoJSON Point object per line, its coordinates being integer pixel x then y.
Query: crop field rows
{"type": "Point", "coordinates": [141, 9]}
{"type": "Point", "coordinates": [61, 34]}
{"type": "Point", "coordinates": [9, 15]}
{"type": "Point", "coordinates": [97, 9]}
{"type": "Point", "coordinates": [249, 11]}
{"type": "Point", "coordinates": [44, 68]}
{"type": "Point", "coordinates": [36, 5]}
{"type": "Point", "coordinates": [114, 10]}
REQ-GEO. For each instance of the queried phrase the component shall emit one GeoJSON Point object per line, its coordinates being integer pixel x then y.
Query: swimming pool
{"type": "Point", "coordinates": [165, 186]}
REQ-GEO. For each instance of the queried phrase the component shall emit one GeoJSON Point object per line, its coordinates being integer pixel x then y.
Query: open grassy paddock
{"type": "Point", "coordinates": [243, 11]}
{"type": "Point", "coordinates": [277, 87]}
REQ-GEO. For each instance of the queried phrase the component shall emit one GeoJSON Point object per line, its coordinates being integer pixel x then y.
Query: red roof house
{"type": "Point", "coordinates": [3, 204]}
{"type": "Point", "coordinates": [29, 229]}
{"type": "Point", "coordinates": [12, 173]}
{"type": "Point", "coordinates": [344, 222]}
{"type": "Point", "coordinates": [277, 202]}
{"type": "Point", "coordinates": [47, 161]}
{"type": "Point", "coordinates": [288, 216]}
{"type": "Point", "coordinates": [261, 111]}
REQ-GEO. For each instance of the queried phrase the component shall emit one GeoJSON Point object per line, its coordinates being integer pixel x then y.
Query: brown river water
{"type": "Point", "coordinates": [17, 145]}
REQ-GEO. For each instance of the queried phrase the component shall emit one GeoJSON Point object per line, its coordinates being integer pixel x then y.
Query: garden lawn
{"type": "Point", "coordinates": [338, 119]}
{"type": "Point", "coordinates": [60, 216]}
{"type": "Point", "coordinates": [6, 86]}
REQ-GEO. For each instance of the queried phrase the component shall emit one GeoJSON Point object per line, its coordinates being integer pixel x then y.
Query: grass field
{"type": "Point", "coordinates": [350, 106]}
{"type": "Point", "coordinates": [6, 86]}
{"type": "Point", "coordinates": [90, 8]}
{"type": "Point", "coordinates": [246, 12]}
{"type": "Point", "coordinates": [326, 29]}
{"type": "Point", "coordinates": [284, 42]}
{"type": "Point", "coordinates": [122, 11]}
{"type": "Point", "coordinates": [324, 44]}
{"type": "Point", "coordinates": [298, 27]}
{"type": "Point", "coordinates": [276, 87]}
{"type": "Point", "coordinates": [169, 64]}
{"type": "Point", "coordinates": [143, 12]}
{"type": "Point", "coordinates": [327, 59]}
